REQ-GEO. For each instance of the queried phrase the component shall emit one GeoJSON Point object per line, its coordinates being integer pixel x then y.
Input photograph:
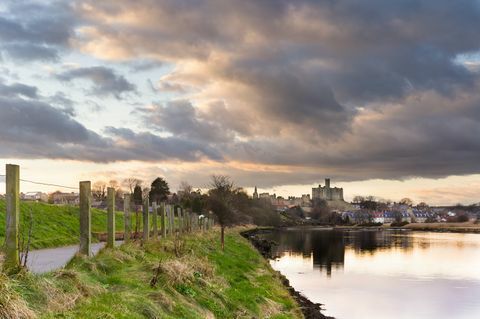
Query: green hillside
{"type": "Point", "coordinates": [53, 225]}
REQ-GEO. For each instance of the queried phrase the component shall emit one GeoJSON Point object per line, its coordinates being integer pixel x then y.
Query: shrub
{"type": "Point", "coordinates": [399, 224]}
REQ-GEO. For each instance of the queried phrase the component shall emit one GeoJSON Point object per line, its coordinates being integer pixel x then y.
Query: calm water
{"type": "Point", "coordinates": [383, 274]}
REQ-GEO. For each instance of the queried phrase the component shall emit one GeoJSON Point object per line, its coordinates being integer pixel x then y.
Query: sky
{"type": "Point", "coordinates": [382, 97]}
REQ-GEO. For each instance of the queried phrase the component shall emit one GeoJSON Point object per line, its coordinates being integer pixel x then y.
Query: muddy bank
{"type": "Point", "coordinates": [310, 309]}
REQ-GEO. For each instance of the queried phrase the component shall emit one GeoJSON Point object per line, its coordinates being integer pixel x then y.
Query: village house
{"type": "Point", "coordinates": [419, 216]}
{"type": "Point", "coordinates": [34, 196]}
{"type": "Point", "coordinates": [60, 198]}
{"type": "Point", "coordinates": [378, 217]}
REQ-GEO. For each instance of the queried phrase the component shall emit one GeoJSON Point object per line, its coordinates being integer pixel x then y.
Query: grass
{"type": "Point", "coordinates": [192, 278]}
{"type": "Point", "coordinates": [466, 227]}
{"type": "Point", "coordinates": [55, 226]}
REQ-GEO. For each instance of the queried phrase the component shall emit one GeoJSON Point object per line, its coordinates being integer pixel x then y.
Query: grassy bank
{"type": "Point", "coordinates": [53, 225]}
{"type": "Point", "coordinates": [187, 278]}
{"type": "Point", "coordinates": [467, 227]}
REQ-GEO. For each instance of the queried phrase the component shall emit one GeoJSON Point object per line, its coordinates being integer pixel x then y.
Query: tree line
{"type": "Point", "coordinates": [230, 204]}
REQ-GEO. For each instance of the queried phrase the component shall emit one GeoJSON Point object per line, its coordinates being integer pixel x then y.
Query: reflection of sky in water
{"type": "Point", "coordinates": [385, 275]}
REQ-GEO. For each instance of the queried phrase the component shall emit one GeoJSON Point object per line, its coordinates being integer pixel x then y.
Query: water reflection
{"type": "Point", "coordinates": [327, 247]}
{"type": "Point", "coordinates": [433, 275]}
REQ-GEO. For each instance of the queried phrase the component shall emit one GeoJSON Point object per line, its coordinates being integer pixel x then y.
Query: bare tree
{"type": "Point", "coordinates": [406, 201]}
{"type": "Point", "coordinates": [185, 194]}
{"type": "Point", "coordinates": [113, 183]}
{"type": "Point", "coordinates": [99, 190]}
{"type": "Point", "coordinates": [145, 192]}
{"type": "Point", "coordinates": [220, 202]}
{"type": "Point", "coordinates": [130, 183]}
{"type": "Point", "coordinates": [185, 188]}
{"type": "Point", "coordinates": [358, 199]}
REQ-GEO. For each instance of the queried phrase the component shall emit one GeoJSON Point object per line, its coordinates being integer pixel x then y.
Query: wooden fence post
{"type": "Point", "coordinates": [12, 261]}
{"type": "Point", "coordinates": [171, 220]}
{"type": "Point", "coordinates": [187, 221]}
{"type": "Point", "coordinates": [146, 221]}
{"type": "Point", "coordinates": [154, 220]}
{"type": "Point", "coordinates": [85, 218]}
{"type": "Point", "coordinates": [127, 234]}
{"type": "Point", "coordinates": [162, 221]}
{"type": "Point", "coordinates": [110, 217]}
{"type": "Point", "coordinates": [194, 221]}
{"type": "Point", "coordinates": [180, 220]}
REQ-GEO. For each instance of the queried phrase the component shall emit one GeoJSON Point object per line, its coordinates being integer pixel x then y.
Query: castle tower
{"type": "Point", "coordinates": [327, 192]}
{"type": "Point", "coordinates": [255, 193]}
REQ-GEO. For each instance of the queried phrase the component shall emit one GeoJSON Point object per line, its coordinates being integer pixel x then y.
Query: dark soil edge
{"type": "Point", "coordinates": [309, 309]}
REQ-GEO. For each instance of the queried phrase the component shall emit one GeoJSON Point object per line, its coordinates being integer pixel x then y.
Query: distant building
{"type": "Point", "coordinates": [60, 198]}
{"type": "Point", "coordinates": [255, 193]}
{"type": "Point", "coordinates": [35, 196]}
{"type": "Point", "coordinates": [267, 196]}
{"type": "Point", "coordinates": [326, 192]}
{"type": "Point", "coordinates": [419, 216]}
{"type": "Point", "coordinates": [299, 201]}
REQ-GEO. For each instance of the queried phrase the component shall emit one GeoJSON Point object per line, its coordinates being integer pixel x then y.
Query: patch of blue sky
{"type": "Point", "coordinates": [470, 60]}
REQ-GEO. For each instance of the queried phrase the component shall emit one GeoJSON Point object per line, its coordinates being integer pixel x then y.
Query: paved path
{"type": "Point", "coordinates": [45, 260]}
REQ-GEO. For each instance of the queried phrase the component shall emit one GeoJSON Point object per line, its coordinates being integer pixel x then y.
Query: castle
{"type": "Point", "coordinates": [326, 192]}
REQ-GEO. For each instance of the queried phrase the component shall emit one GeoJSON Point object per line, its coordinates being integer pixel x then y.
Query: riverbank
{"type": "Point", "coordinates": [467, 227]}
{"type": "Point", "coordinates": [190, 277]}
{"type": "Point", "coordinates": [309, 309]}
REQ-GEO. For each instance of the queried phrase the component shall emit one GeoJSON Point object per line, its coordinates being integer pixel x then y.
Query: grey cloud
{"type": "Point", "coordinates": [167, 86]}
{"type": "Point", "coordinates": [28, 52]}
{"type": "Point", "coordinates": [144, 65]}
{"type": "Point", "coordinates": [105, 80]}
{"type": "Point", "coordinates": [32, 121]}
{"type": "Point", "coordinates": [373, 50]}
{"type": "Point", "coordinates": [182, 119]}
{"type": "Point", "coordinates": [66, 104]}
{"type": "Point", "coordinates": [15, 89]}
{"type": "Point", "coordinates": [33, 129]}
{"type": "Point", "coordinates": [36, 31]}
{"type": "Point", "coordinates": [291, 98]}
{"type": "Point", "coordinates": [356, 89]}
{"type": "Point", "coordinates": [150, 147]}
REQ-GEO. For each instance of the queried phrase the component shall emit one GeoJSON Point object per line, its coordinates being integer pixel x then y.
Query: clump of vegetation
{"type": "Point", "coordinates": [371, 224]}
{"type": "Point", "coordinates": [399, 224]}
{"type": "Point", "coordinates": [12, 306]}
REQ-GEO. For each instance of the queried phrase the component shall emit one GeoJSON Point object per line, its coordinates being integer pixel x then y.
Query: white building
{"type": "Point", "coordinates": [35, 196]}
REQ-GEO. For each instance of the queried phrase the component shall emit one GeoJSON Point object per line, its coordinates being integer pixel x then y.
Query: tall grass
{"type": "Point", "coordinates": [203, 282]}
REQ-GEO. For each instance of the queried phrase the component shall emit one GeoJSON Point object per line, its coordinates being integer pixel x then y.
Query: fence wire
{"type": "Point", "coordinates": [45, 184]}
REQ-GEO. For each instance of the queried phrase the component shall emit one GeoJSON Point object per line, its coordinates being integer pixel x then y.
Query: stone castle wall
{"type": "Point", "coordinates": [326, 192]}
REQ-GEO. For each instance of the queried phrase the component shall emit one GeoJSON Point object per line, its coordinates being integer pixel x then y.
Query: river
{"type": "Point", "coordinates": [383, 274]}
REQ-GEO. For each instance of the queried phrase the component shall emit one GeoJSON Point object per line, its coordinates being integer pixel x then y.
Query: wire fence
{"type": "Point", "coordinates": [45, 183]}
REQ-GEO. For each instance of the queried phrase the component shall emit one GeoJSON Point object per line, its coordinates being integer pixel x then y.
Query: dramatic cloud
{"type": "Point", "coordinates": [105, 81]}
{"type": "Point", "coordinates": [271, 92]}
{"type": "Point", "coordinates": [358, 90]}
{"type": "Point", "coordinates": [32, 129]}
